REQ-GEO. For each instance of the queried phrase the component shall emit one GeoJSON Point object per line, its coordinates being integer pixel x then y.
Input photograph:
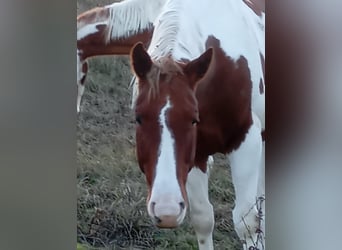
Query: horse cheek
{"type": "Point", "coordinates": [140, 151]}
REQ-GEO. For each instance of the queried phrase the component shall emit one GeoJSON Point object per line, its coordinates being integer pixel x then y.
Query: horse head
{"type": "Point", "coordinates": [167, 117]}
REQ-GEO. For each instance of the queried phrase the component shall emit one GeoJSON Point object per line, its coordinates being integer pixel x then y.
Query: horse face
{"type": "Point", "coordinates": [167, 116]}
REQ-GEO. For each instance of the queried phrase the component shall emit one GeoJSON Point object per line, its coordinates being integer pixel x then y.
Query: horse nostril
{"type": "Point", "coordinates": [157, 219]}
{"type": "Point", "coordinates": [152, 206]}
{"type": "Point", "coordinates": [182, 205]}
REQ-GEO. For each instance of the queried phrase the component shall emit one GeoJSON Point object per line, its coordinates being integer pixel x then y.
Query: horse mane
{"type": "Point", "coordinates": [129, 17]}
{"type": "Point", "coordinates": [164, 38]}
{"type": "Point", "coordinates": [162, 44]}
{"type": "Point", "coordinates": [162, 69]}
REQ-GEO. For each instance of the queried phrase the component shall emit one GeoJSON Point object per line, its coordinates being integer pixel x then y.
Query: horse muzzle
{"type": "Point", "coordinates": [167, 213]}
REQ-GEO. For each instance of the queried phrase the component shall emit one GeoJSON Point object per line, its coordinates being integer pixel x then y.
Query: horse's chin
{"type": "Point", "coordinates": [167, 223]}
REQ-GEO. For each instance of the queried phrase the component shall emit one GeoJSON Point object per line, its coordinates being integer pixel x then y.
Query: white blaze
{"type": "Point", "coordinates": [165, 182]}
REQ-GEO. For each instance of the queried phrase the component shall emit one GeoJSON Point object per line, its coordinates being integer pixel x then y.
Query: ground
{"type": "Point", "coordinates": [111, 189]}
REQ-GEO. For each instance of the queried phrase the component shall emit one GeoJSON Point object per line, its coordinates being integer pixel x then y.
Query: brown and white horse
{"type": "Point", "coordinates": [113, 30]}
{"type": "Point", "coordinates": [201, 91]}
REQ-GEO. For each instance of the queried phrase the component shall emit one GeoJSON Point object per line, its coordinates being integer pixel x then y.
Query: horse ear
{"type": "Point", "coordinates": [141, 62]}
{"type": "Point", "coordinates": [197, 68]}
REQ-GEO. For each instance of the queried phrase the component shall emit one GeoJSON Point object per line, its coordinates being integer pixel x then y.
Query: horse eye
{"type": "Point", "coordinates": [195, 121]}
{"type": "Point", "coordinates": [138, 119]}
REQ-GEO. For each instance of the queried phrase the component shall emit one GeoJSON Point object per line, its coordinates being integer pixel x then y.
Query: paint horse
{"type": "Point", "coordinates": [201, 91]}
{"type": "Point", "coordinates": [112, 30]}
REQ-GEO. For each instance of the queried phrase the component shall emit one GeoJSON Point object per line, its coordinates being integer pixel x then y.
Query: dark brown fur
{"type": "Point", "coordinates": [224, 97]}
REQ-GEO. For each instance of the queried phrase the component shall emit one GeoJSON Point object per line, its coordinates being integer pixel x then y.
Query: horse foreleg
{"type": "Point", "coordinates": [247, 176]}
{"type": "Point", "coordinates": [201, 210]}
{"type": "Point", "coordinates": [82, 70]}
{"type": "Point", "coordinates": [80, 91]}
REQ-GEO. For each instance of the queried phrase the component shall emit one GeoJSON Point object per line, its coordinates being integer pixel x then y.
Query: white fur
{"type": "Point", "coordinates": [80, 91]}
{"type": "Point", "coordinates": [80, 87]}
{"type": "Point", "coordinates": [166, 192]}
{"type": "Point", "coordinates": [132, 16]}
{"type": "Point", "coordinates": [78, 64]}
{"type": "Point", "coordinates": [164, 42]}
{"type": "Point", "coordinates": [246, 168]}
{"type": "Point", "coordinates": [88, 29]}
{"type": "Point", "coordinates": [166, 164]}
{"type": "Point", "coordinates": [201, 210]}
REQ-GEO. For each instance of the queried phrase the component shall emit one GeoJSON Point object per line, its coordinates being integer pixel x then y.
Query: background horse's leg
{"type": "Point", "coordinates": [82, 70]}
{"type": "Point", "coordinates": [201, 210]}
{"type": "Point", "coordinates": [80, 91]}
{"type": "Point", "coordinates": [246, 171]}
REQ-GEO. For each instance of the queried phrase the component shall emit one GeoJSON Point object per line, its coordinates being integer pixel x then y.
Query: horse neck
{"type": "Point", "coordinates": [95, 44]}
